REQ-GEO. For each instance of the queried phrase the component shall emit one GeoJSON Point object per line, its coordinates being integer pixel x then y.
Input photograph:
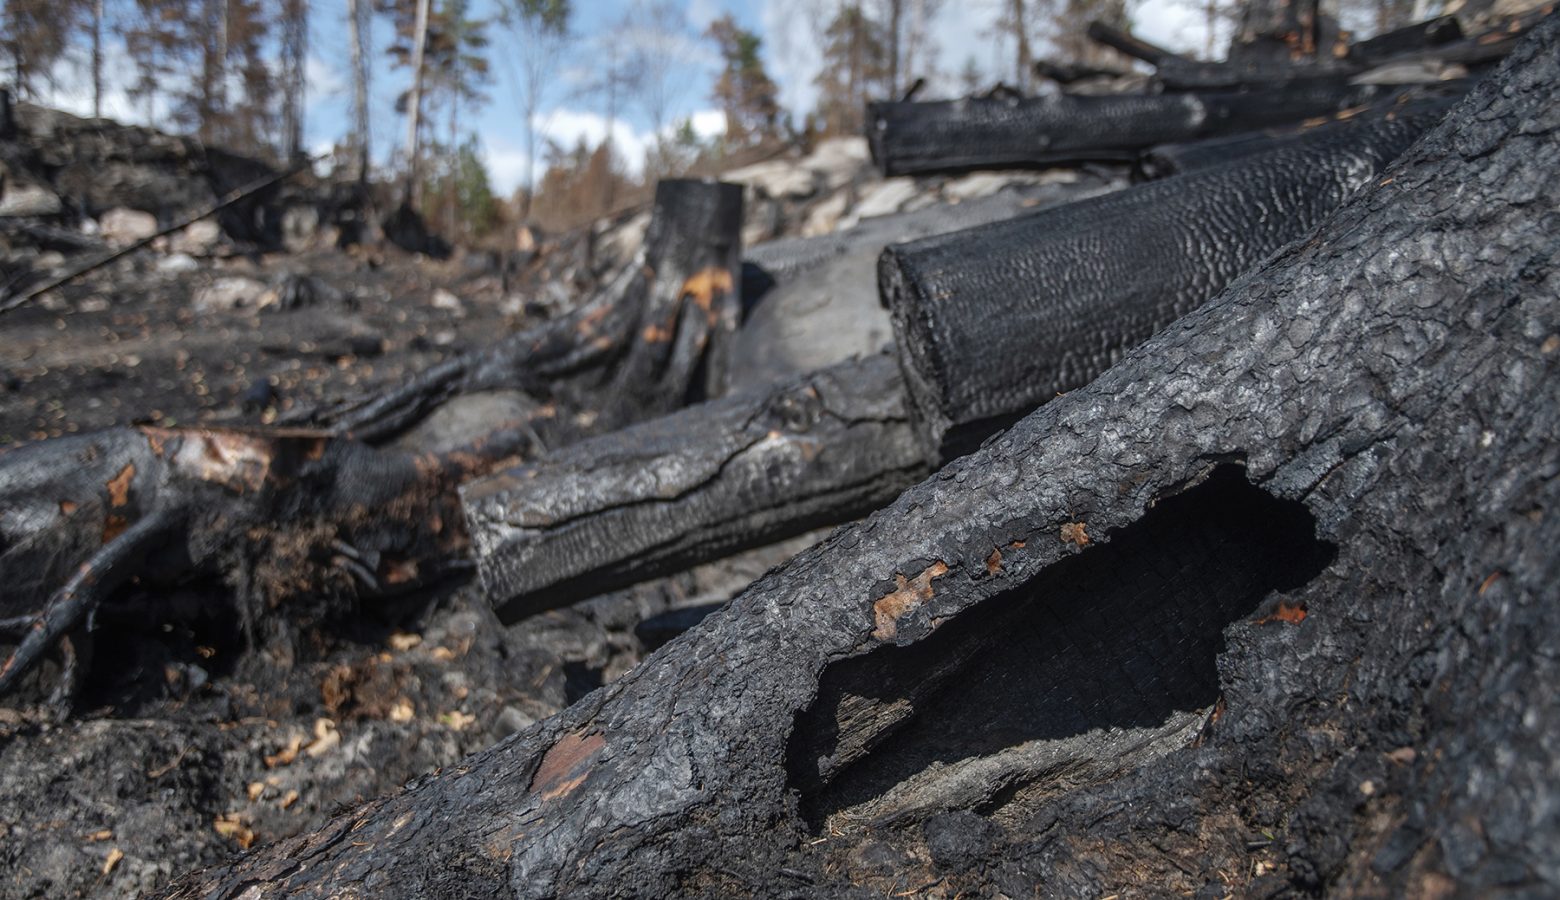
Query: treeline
{"type": "Point", "coordinates": [233, 72]}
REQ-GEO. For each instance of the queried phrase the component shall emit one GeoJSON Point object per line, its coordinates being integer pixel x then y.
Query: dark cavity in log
{"type": "Point", "coordinates": [1100, 661]}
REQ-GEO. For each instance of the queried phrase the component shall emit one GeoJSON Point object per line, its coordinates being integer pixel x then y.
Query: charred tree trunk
{"type": "Point", "coordinates": [993, 321]}
{"type": "Point", "coordinates": [654, 339]}
{"type": "Point", "coordinates": [697, 485]}
{"type": "Point", "coordinates": [1354, 445]}
{"type": "Point", "coordinates": [912, 138]}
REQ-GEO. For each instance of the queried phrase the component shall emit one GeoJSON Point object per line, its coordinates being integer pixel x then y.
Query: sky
{"type": "Point", "coordinates": [961, 30]}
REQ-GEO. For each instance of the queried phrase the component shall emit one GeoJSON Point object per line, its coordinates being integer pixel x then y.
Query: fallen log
{"type": "Point", "coordinates": [1410, 38]}
{"type": "Point", "coordinates": [993, 321]}
{"type": "Point", "coordinates": [705, 482]}
{"type": "Point", "coordinates": [1362, 431]}
{"type": "Point", "coordinates": [812, 302]}
{"type": "Point", "coordinates": [952, 135]}
{"type": "Point", "coordinates": [1370, 124]}
{"type": "Point", "coordinates": [654, 339]}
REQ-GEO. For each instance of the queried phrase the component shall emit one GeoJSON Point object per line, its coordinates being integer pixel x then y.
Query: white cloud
{"type": "Point", "coordinates": [1175, 25]}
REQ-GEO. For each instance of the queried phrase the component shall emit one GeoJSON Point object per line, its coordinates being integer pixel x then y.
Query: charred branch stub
{"type": "Point", "coordinates": [995, 320]}
{"type": "Point", "coordinates": [1099, 663]}
{"type": "Point", "coordinates": [654, 339]}
{"type": "Point", "coordinates": [694, 486]}
{"type": "Point", "coordinates": [1394, 374]}
{"type": "Point", "coordinates": [913, 138]}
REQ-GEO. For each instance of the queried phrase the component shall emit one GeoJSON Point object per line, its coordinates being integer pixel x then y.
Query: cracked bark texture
{"type": "Point", "coordinates": [694, 486]}
{"type": "Point", "coordinates": [908, 138]}
{"type": "Point", "coordinates": [1391, 733]}
{"type": "Point", "coordinates": [995, 320]}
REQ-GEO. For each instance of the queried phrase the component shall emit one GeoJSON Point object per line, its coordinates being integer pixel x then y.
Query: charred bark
{"type": "Point", "coordinates": [1419, 36]}
{"type": "Point", "coordinates": [702, 483]}
{"type": "Point", "coordinates": [993, 321]}
{"type": "Point", "coordinates": [812, 302]}
{"type": "Point", "coordinates": [656, 338]}
{"type": "Point", "coordinates": [1382, 722]}
{"type": "Point", "coordinates": [912, 138]}
{"type": "Point", "coordinates": [1372, 125]}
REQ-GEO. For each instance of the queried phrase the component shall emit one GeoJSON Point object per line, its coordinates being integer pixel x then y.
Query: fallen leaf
{"type": "Point", "coordinates": [114, 856]}
{"type": "Point", "coordinates": [326, 738]}
{"type": "Point", "coordinates": [234, 830]}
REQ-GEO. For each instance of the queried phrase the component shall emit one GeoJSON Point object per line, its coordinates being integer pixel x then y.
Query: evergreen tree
{"type": "Point", "coordinates": [744, 90]}
{"type": "Point", "coordinates": [856, 68]}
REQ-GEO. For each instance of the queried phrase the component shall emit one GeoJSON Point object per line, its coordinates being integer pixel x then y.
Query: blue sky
{"type": "Point", "coordinates": [961, 30]}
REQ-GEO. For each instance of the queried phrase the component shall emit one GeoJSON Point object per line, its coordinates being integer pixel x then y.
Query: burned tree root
{"type": "Point", "coordinates": [1382, 724]}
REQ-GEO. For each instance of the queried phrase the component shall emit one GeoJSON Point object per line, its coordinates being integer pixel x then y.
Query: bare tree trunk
{"type": "Point", "coordinates": [414, 106]}
{"type": "Point", "coordinates": [295, 38]}
{"type": "Point", "coordinates": [1024, 61]}
{"type": "Point", "coordinates": [357, 23]}
{"type": "Point", "coordinates": [97, 59]}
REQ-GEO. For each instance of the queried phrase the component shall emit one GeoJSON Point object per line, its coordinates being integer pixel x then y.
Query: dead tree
{"type": "Point", "coordinates": [283, 513]}
{"type": "Point", "coordinates": [1279, 588]}
{"type": "Point", "coordinates": [1083, 283]}
{"type": "Point", "coordinates": [655, 338]}
{"type": "Point", "coordinates": [702, 483]}
{"type": "Point", "coordinates": [913, 138]}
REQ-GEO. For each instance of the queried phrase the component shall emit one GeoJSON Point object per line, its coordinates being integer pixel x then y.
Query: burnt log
{"type": "Point", "coordinates": [699, 484]}
{"type": "Point", "coordinates": [954, 135]}
{"type": "Point", "coordinates": [654, 339]}
{"type": "Point", "coordinates": [1180, 73]}
{"type": "Point", "coordinates": [1346, 684]}
{"type": "Point", "coordinates": [995, 320]}
{"type": "Point", "coordinates": [1370, 125]}
{"type": "Point", "coordinates": [812, 302]}
{"type": "Point", "coordinates": [1418, 36]}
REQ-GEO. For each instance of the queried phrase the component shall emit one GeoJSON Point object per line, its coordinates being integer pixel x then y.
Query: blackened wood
{"type": "Point", "coordinates": [654, 339]}
{"type": "Point", "coordinates": [1377, 122]}
{"type": "Point", "coordinates": [1130, 44]}
{"type": "Point", "coordinates": [911, 138]}
{"type": "Point", "coordinates": [995, 320]}
{"type": "Point", "coordinates": [1393, 377]}
{"type": "Point", "coordinates": [694, 486]}
{"type": "Point", "coordinates": [281, 515]}
{"type": "Point", "coordinates": [1418, 36]}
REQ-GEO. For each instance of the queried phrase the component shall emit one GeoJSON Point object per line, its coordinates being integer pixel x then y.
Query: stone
{"type": "Point", "coordinates": [24, 199]}
{"type": "Point", "coordinates": [231, 292]}
{"type": "Point", "coordinates": [121, 226]}
{"type": "Point", "coordinates": [199, 239]}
